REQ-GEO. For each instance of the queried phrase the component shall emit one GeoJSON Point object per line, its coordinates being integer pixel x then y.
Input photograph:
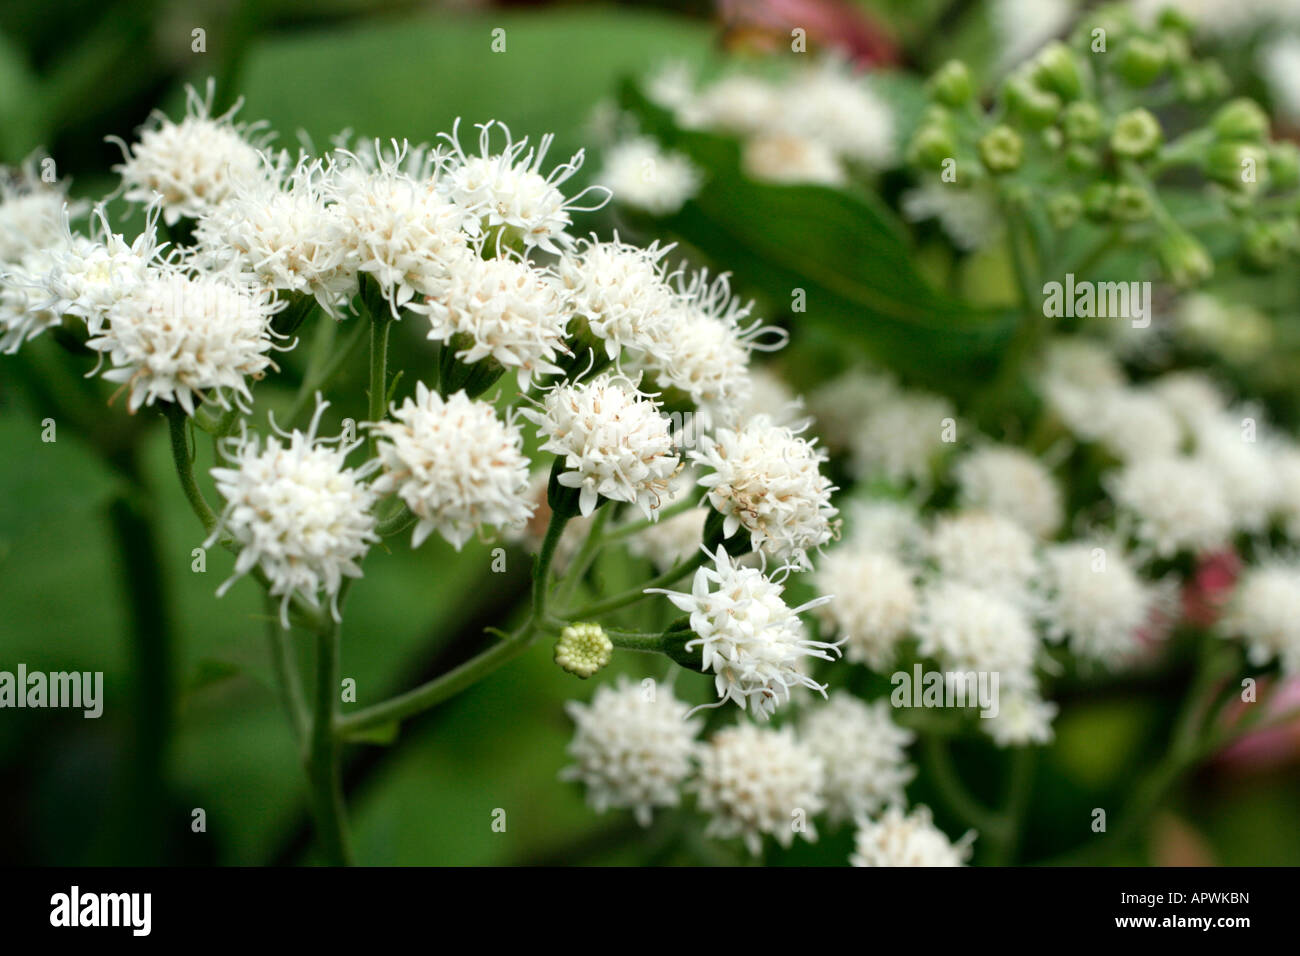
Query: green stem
{"type": "Point", "coordinates": [285, 666]}
{"type": "Point", "coordinates": [434, 692]}
{"type": "Point", "coordinates": [176, 422]}
{"type": "Point", "coordinates": [323, 766]}
{"type": "Point", "coordinates": [636, 641]}
{"type": "Point", "coordinates": [944, 775]}
{"type": "Point", "coordinates": [314, 381]}
{"type": "Point", "coordinates": [1007, 839]}
{"type": "Point", "coordinates": [379, 327]}
{"type": "Point", "coordinates": [618, 601]}
{"type": "Point", "coordinates": [577, 570]}
{"type": "Point", "coordinates": [542, 567]}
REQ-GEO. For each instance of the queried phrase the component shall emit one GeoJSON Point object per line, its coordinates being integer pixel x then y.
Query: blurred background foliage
{"type": "Point", "coordinates": [123, 788]}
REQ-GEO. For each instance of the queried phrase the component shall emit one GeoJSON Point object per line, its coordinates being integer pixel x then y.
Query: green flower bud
{"type": "Point", "coordinates": [1242, 167]}
{"type": "Point", "coordinates": [1052, 138]}
{"type": "Point", "coordinates": [1081, 122]}
{"type": "Point", "coordinates": [951, 84]}
{"type": "Point", "coordinates": [1130, 203]}
{"type": "Point", "coordinates": [1001, 149]}
{"type": "Point", "coordinates": [1057, 69]}
{"type": "Point", "coordinates": [1141, 61]}
{"type": "Point", "coordinates": [1284, 164]}
{"type": "Point", "coordinates": [930, 146]}
{"type": "Point", "coordinates": [1184, 259]}
{"type": "Point", "coordinates": [1178, 50]}
{"type": "Point", "coordinates": [1033, 106]}
{"type": "Point", "coordinates": [1241, 119]}
{"type": "Point", "coordinates": [1097, 200]}
{"type": "Point", "coordinates": [1082, 159]}
{"type": "Point", "coordinates": [583, 649]}
{"type": "Point", "coordinates": [1136, 134]}
{"type": "Point", "coordinates": [1265, 243]}
{"type": "Point", "coordinates": [1171, 18]}
{"type": "Point", "coordinates": [1064, 210]}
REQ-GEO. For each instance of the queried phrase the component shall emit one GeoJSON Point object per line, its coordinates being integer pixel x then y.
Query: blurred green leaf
{"type": "Point", "coordinates": [21, 129]}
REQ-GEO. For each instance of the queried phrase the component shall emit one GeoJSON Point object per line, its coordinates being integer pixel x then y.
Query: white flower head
{"type": "Point", "coordinates": [875, 598]}
{"type": "Point", "coordinates": [752, 641]}
{"type": "Point", "coordinates": [504, 310]}
{"type": "Point", "coordinates": [968, 629]}
{"type": "Point", "coordinates": [1286, 467]}
{"type": "Point", "coordinates": [888, 525]}
{"type": "Point", "coordinates": [280, 229]}
{"type": "Point", "coordinates": [968, 217]}
{"type": "Point", "coordinates": [298, 511]}
{"type": "Point", "coordinates": [1131, 423]}
{"type": "Point", "coordinates": [1175, 503]}
{"type": "Point", "coordinates": [901, 437]}
{"type": "Point", "coordinates": [985, 550]}
{"type": "Point", "coordinates": [397, 226]}
{"type": "Point", "coordinates": [194, 165]}
{"type": "Point", "coordinates": [912, 839]}
{"type": "Point", "coordinates": [26, 306]}
{"type": "Point", "coordinates": [864, 753]}
{"type": "Point", "coordinates": [622, 292]}
{"type": "Point", "coordinates": [640, 173]}
{"type": "Point", "coordinates": [632, 748]}
{"type": "Point", "coordinates": [1241, 458]}
{"type": "Point", "coordinates": [1023, 719]}
{"type": "Point", "coordinates": [1192, 396]}
{"type": "Point", "coordinates": [830, 104]}
{"type": "Point", "coordinates": [1264, 613]}
{"type": "Point", "coordinates": [783, 157]}
{"type": "Point", "coordinates": [1094, 598]}
{"type": "Point", "coordinates": [92, 274]}
{"type": "Point", "coordinates": [455, 465]}
{"type": "Point", "coordinates": [507, 191]}
{"type": "Point", "coordinates": [1008, 481]}
{"type": "Point", "coordinates": [758, 780]}
{"type": "Point", "coordinates": [179, 337]}
{"type": "Point", "coordinates": [840, 404]}
{"type": "Point", "coordinates": [33, 213]}
{"type": "Point", "coordinates": [703, 354]}
{"type": "Point", "coordinates": [735, 103]}
{"type": "Point", "coordinates": [613, 441]}
{"type": "Point", "coordinates": [767, 479]}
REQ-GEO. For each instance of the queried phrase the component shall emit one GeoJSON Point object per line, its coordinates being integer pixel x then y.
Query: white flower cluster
{"type": "Point", "coordinates": [814, 125]}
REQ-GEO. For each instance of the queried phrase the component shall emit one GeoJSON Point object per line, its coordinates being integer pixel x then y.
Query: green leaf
{"type": "Point", "coordinates": [411, 78]}
{"type": "Point", "coordinates": [843, 247]}
{"type": "Point", "coordinates": [21, 129]}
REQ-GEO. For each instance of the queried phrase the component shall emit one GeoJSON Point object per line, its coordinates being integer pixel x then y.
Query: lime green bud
{"type": "Point", "coordinates": [1136, 134]}
{"type": "Point", "coordinates": [1242, 167]}
{"type": "Point", "coordinates": [1241, 119]}
{"type": "Point", "coordinates": [930, 146]}
{"type": "Point", "coordinates": [1057, 69]}
{"type": "Point", "coordinates": [1082, 159]}
{"type": "Point", "coordinates": [1001, 149]}
{"type": "Point", "coordinates": [1265, 243]}
{"type": "Point", "coordinates": [1033, 106]}
{"type": "Point", "coordinates": [1284, 164]}
{"type": "Point", "coordinates": [1178, 50]}
{"type": "Point", "coordinates": [1081, 122]}
{"type": "Point", "coordinates": [583, 649]}
{"type": "Point", "coordinates": [951, 84]}
{"type": "Point", "coordinates": [1184, 259]}
{"type": "Point", "coordinates": [1097, 200]}
{"type": "Point", "coordinates": [1141, 61]}
{"type": "Point", "coordinates": [1064, 210]}
{"type": "Point", "coordinates": [1130, 203]}
{"type": "Point", "coordinates": [1171, 18]}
